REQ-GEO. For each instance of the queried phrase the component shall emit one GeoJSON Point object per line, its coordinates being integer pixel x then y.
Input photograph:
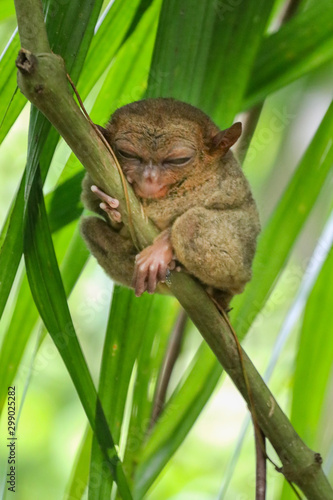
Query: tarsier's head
{"type": "Point", "coordinates": [160, 142]}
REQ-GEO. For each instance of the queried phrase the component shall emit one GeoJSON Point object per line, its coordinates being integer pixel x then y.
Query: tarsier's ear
{"type": "Point", "coordinates": [223, 141]}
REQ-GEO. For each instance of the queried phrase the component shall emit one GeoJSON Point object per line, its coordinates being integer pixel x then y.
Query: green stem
{"type": "Point", "coordinates": [32, 32]}
{"type": "Point", "coordinates": [42, 79]}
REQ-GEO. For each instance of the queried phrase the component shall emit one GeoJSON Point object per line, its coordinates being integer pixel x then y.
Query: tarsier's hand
{"type": "Point", "coordinates": [152, 264]}
{"type": "Point", "coordinates": [108, 204]}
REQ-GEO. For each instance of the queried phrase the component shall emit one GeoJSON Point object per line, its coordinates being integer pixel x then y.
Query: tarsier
{"type": "Point", "coordinates": [190, 185]}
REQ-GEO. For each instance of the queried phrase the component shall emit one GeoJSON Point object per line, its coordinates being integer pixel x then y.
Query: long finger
{"type": "Point", "coordinates": [162, 271]}
{"type": "Point", "coordinates": [140, 284]}
{"type": "Point", "coordinates": [152, 278]}
{"type": "Point", "coordinates": [113, 202]}
{"type": "Point", "coordinates": [112, 212]}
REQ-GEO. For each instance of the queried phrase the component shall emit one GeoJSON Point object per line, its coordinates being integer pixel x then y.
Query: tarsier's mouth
{"type": "Point", "coordinates": [151, 190]}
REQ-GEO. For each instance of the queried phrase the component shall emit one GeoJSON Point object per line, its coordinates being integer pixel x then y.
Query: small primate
{"type": "Point", "coordinates": [193, 189]}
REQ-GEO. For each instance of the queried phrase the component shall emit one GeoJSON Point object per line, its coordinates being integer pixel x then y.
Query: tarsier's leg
{"type": "Point", "coordinates": [212, 245]}
{"type": "Point", "coordinates": [113, 252]}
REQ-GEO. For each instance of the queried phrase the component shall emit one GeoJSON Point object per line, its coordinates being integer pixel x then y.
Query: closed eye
{"type": "Point", "coordinates": [177, 161]}
{"type": "Point", "coordinates": [128, 156]}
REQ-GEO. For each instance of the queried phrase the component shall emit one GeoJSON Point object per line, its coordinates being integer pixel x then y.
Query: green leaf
{"type": "Point", "coordinates": [314, 357]}
{"type": "Point", "coordinates": [300, 46]}
{"type": "Point", "coordinates": [126, 80]}
{"type": "Point", "coordinates": [7, 9]}
{"type": "Point", "coordinates": [177, 419]}
{"type": "Point", "coordinates": [63, 203]}
{"type": "Point", "coordinates": [70, 28]}
{"type": "Point", "coordinates": [125, 329]}
{"type": "Point", "coordinates": [179, 57]}
{"type": "Point", "coordinates": [142, 7]}
{"type": "Point", "coordinates": [150, 356]}
{"type": "Point", "coordinates": [238, 30]}
{"type": "Point", "coordinates": [25, 315]}
{"type": "Point", "coordinates": [118, 21]}
{"type": "Point", "coordinates": [201, 69]}
{"type": "Point", "coordinates": [15, 339]}
{"type": "Point", "coordinates": [44, 277]}
{"type": "Point", "coordinates": [80, 472]}
{"type": "Point", "coordinates": [49, 296]}
{"type": "Point", "coordinates": [11, 102]}
{"type": "Point", "coordinates": [313, 364]}
{"type": "Point", "coordinates": [106, 42]}
{"type": "Point", "coordinates": [136, 331]}
{"type": "Point", "coordinates": [11, 246]}
{"type": "Point", "coordinates": [73, 47]}
{"type": "Point", "coordinates": [12, 232]}
{"type": "Point", "coordinates": [285, 224]}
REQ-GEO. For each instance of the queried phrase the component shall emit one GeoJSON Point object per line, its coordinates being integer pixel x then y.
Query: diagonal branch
{"type": "Point", "coordinates": [42, 79]}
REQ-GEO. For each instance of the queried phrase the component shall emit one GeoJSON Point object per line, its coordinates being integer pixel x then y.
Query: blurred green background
{"type": "Point", "coordinates": [52, 421]}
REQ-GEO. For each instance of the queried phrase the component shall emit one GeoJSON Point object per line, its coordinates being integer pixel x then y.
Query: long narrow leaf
{"type": "Point", "coordinates": [80, 472]}
{"type": "Point", "coordinates": [50, 299]}
{"type": "Point", "coordinates": [25, 315]}
{"type": "Point", "coordinates": [11, 246]}
{"type": "Point", "coordinates": [300, 46]}
{"type": "Point", "coordinates": [179, 57]}
{"type": "Point", "coordinates": [134, 327]}
{"type": "Point", "coordinates": [314, 361]}
{"type": "Point", "coordinates": [178, 418]}
{"type": "Point", "coordinates": [109, 37]}
{"type": "Point", "coordinates": [9, 109]}
{"type": "Point", "coordinates": [41, 262]}
{"type": "Point", "coordinates": [125, 327]}
{"type": "Point", "coordinates": [237, 33]}
{"type": "Point", "coordinates": [161, 318]}
{"type": "Point", "coordinates": [127, 79]}
{"type": "Point", "coordinates": [314, 357]}
{"type": "Point", "coordinates": [73, 46]}
{"type": "Point", "coordinates": [286, 223]}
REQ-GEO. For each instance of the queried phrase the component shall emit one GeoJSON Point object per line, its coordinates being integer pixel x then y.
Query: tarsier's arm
{"type": "Point", "coordinates": [151, 265]}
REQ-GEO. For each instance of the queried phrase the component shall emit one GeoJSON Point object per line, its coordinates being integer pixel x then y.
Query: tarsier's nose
{"type": "Point", "coordinates": [150, 172]}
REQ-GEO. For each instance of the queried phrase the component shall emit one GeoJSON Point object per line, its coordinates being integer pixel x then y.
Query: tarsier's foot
{"type": "Point", "coordinates": [152, 264]}
{"type": "Point", "coordinates": [108, 204]}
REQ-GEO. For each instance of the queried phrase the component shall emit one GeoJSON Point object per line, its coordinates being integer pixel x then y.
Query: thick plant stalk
{"type": "Point", "coordinates": [42, 79]}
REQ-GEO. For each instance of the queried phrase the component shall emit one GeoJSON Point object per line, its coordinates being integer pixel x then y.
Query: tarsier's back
{"type": "Point", "coordinates": [193, 189]}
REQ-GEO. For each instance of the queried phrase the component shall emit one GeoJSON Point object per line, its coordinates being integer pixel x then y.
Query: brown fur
{"type": "Point", "coordinates": [206, 203]}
